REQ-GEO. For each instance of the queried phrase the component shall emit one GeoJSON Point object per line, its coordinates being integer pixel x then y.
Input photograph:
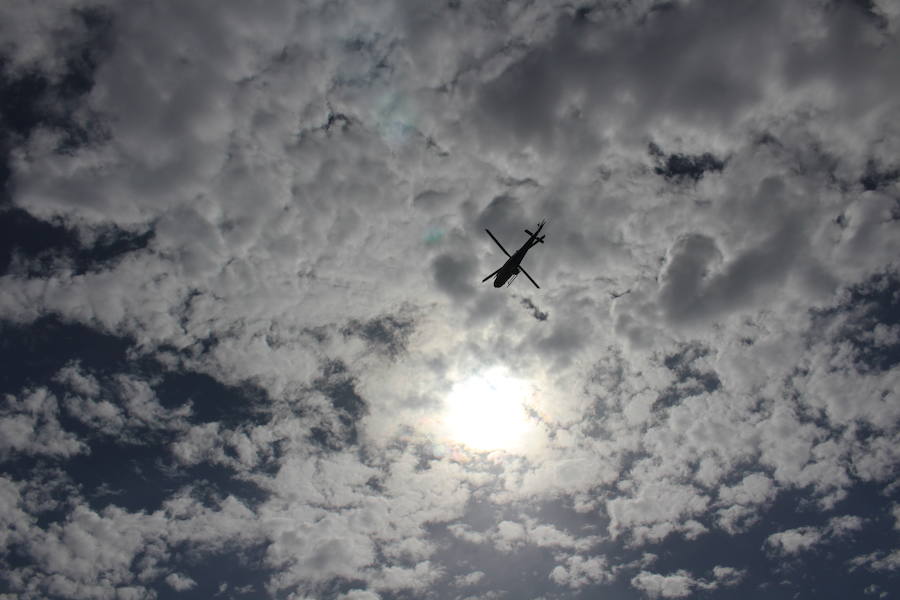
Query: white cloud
{"type": "Point", "coordinates": [15, 521]}
{"type": "Point", "coordinates": [30, 425]}
{"type": "Point", "coordinates": [50, 32]}
{"type": "Point", "coordinates": [657, 509]}
{"type": "Point", "coordinates": [877, 561]}
{"type": "Point", "coordinates": [509, 535]}
{"type": "Point", "coordinates": [122, 406]}
{"type": "Point", "coordinates": [676, 585]}
{"type": "Point", "coordinates": [417, 578]}
{"type": "Point", "coordinates": [755, 488]}
{"type": "Point", "coordinates": [681, 583]}
{"type": "Point", "coordinates": [179, 582]}
{"type": "Point", "coordinates": [737, 518]}
{"type": "Point", "coordinates": [91, 551]}
{"type": "Point", "coordinates": [728, 576]}
{"type": "Point", "coordinates": [468, 579]}
{"type": "Point", "coordinates": [464, 533]}
{"type": "Point", "coordinates": [89, 546]}
{"type": "Point", "coordinates": [578, 571]}
{"type": "Point", "coordinates": [359, 595]}
{"type": "Point", "coordinates": [845, 525]}
{"type": "Point", "coordinates": [801, 539]}
{"type": "Point", "coordinates": [793, 541]}
{"type": "Point", "coordinates": [81, 382]}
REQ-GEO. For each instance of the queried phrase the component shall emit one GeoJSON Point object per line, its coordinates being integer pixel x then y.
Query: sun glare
{"type": "Point", "coordinates": [487, 412]}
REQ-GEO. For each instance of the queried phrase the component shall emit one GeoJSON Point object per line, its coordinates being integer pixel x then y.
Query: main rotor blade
{"type": "Point", "coordinates": [498, 243]}
{"type": "Point", "coordinates": [529, 277]}
{"type": "Point", "coordinates": [491, 275]}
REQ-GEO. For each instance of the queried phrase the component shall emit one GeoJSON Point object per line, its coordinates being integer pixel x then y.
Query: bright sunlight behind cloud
{"type": "Point", "coordinates": [487, 412]}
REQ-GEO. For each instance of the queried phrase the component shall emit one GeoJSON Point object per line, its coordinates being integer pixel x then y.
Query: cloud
{"type": "Point", "coordinates": [15, 516]}
{"type": "Point", "coordinates": [359, 595]}
{"type": "Point", "coordinates": [454, 275]}
{"type": "Point", "coordinates": [179, 582]}
{"type": "Point", "coordinates": [845, 525]}
{"type": "Point", "coordinates": [90, 551]}
{"type": "Point", "coordinates": [648, 518]}
{"type": "Point", "coordinates": [793, 541]}
{"type": "Point", "coordinates": [418, 578]}
{"type": "Point", "coordinates": [755, 488]}
{"type": "Point", "coordinates": [468, 579]}
{"type": "Point", "coordinates": [578, 571]}
{"type": "Point", "coordinates": [30, 425]}
{"type": "Point", "coordinates": [877, 561]}
{"type": "Point", "coordinates": [800, 539]}
{"type": "Point", "coordinates": [681, 583]}
{"type": "Point", "coordinates": [696, 284]}
{"type": "Point", "coordinates": [82, 383]}
{"type": "Point", "coordinates": [510, 535]}
{"type": "Point", "coordinates": [677, 585]}
{"type": "Point", "coordinates": [90, 547]}
{"type": "Point", "coordinates": [728, 576]}
{"type": "Point", "coordinates": [289, 201]}
{"type": "Point", "coordinates": [741, 502]}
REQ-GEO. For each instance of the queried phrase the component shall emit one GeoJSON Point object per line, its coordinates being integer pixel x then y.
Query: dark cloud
{"type": "Point", "coordinates": [690, 264]}
{"type": "Point", "coordinates": [697, 282]}
{"type": "Point", "coordinates": [388, 333]}
{"type": "Point", "coordinates": [430, 200]}
{"type": "Point", "coordinates": [674, 63]}
{"type": "Point", "coordinates": [504, 217]}
{"type": "Point", "coordinates": [678, 167]}
{"type": "Point", "coordinates": [535, 311]}
{"type": "Point", "coordinates": [454, 275]}
{"type": "Point", "coordinates": [876, 177]}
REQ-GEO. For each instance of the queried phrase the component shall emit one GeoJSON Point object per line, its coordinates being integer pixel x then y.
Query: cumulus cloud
{"type": "Point", "coordinates": [578, 571]}
{"type": "Point", "coordinates": [681, 583]}
{"type": "Point", "coordinates": [510, 535]}
{"type": "Point", "coordinates": [877, 561]}
{"type": "Point", "coordinates": [30, 425]}
{"type": "Point", "coordinates": [800, 539]}
{"type": "Point", "coordinates": [285, 204]}
{"type": "Point", "coordinates": [179, 582]}
{"type": "Point", "coordinates": [124, 407]}
{"type": "Point", "coordinates": [793, 541]}
{"type": "Point", "coordinates": [677, 585]}
{"type": "Point", "coordinates": [468, 579]}
{"type": "Point", "coordinates": [845, 525]}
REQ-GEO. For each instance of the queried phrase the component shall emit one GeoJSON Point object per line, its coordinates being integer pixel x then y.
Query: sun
{"type": "Point", "coordinates": [487, 412]}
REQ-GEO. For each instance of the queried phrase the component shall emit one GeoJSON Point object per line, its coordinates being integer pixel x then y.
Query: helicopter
{"type": "Point", "coordinates": [513, 266]}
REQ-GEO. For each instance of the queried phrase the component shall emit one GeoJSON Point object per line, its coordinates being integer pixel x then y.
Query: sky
{"type": "Point", "coordinates": [246, 350]}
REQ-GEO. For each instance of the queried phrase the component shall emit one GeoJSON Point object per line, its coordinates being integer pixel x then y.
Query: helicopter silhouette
{"type": "Point", "coordinates": [513, 265]}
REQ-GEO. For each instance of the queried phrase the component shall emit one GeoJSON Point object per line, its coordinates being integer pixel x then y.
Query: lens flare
{"type": "Point", "coordinates": [434, 236]}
